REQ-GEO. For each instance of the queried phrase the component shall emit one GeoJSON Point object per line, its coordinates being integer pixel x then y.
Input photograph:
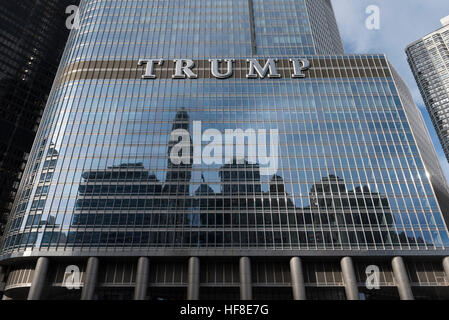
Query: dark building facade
{"type": "Point", "coordinates": [339, 185]}
{"type": "Point", "coordinates": [32, 37]}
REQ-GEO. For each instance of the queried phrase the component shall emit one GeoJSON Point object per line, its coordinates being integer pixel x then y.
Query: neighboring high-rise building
{"type": "Point", "coordinates": [32, 37]}
{"type": "Point", "coordinates": [126, 183]}
{"type": "Point", "coordinates": [429, 60]}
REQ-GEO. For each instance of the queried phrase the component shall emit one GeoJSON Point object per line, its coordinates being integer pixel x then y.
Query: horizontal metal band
{"type": "Point", "coordinates": [218, 252]}
{"type": "Point", "coordinates": [319, 68]}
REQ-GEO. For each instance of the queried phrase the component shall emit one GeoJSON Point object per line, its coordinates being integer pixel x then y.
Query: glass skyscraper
{"type": "Point", "coordinates": [104, 198]}
{"type": "Point", "coordinates": [429, 60]}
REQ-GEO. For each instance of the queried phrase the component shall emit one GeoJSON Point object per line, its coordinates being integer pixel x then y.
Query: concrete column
{"type": "Point", "coordinates": [2, 283]}
{"type": "Point", "coordinates": [193, 289]}
{"type": "Point", "coordinates": [2, 276]}
{"type": "Point", "coordinates": [143, 272]}
{"type": "Point", "coordinates": [446, 267]}
{"type": "Point", "coordinates": [2, 279]}
{"type": "Point", "coordinates": [297, 275]}
{"type": "Point", "coordinates": [401, 279]}
{"type": "Point", "coordinates": [349, 278]}
{"type": "Point", "coordinates": [39, 278]}
{"type": "Point", "coordinates": [90, 281]}
{"type": "Point", "coordinates": [246, 290]}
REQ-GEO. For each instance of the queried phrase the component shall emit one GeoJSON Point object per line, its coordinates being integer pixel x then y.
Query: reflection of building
{"type": "Point", "coordinates": [204, 199]}
{"type": "Point", "coordinates": [278, 195]}
{"type": "Point", "coordinates": [240, 178]}
{"type": "Point", "coordinates": [332, 204]}
{"type": "Point", "coordinates": [33, 35]}
{"type": "Point", "coordinates": [178, 177]}
{"type": "Point", "coordinates": [331, 193]}
{"type": "Point", "coordinates": [347, 118]}
{"type": "Point", "coordinates": [108, 192]}
{"type": "Point", "coordinates": [177, 181]}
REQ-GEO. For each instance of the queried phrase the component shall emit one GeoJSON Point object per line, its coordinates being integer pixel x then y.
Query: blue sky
{"type": "Point", "coordinates": [401, 23]}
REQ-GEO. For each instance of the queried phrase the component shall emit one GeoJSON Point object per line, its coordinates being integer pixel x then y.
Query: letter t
{"type": "Point", "coordinates": [149, 72]}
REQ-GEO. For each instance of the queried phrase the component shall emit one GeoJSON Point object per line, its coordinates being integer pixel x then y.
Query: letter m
{"type": "Point", "coordinates": [255, 69]}
{"type": "Point", "coordinates": [239, 137]}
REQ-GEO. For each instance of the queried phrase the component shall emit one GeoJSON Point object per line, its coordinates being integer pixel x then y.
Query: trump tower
{"type": "Point", "coordinates": [226, 150]}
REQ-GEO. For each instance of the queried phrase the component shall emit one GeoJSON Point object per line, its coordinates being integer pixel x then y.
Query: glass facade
{"type": "Point", "coordinates": [350, 175]}
{"type": "Point", "coordinates": [32, 42]}
{"type": "Point", "coordinates": [429, 61]}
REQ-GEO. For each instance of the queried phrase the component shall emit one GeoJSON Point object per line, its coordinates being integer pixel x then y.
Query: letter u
{"type": "Point", "coordinates": [215, 70]}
